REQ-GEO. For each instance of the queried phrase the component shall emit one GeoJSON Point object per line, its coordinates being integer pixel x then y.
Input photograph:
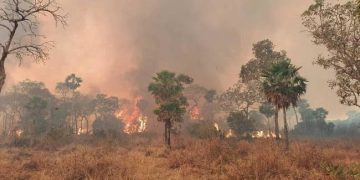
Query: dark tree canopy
{"type": "Point", "coordinates": [240, 123]}
{"type": "Point", "coordinates": [283, 86]}
{"type": "Point", "coordinates": [313, 121]}
{"type": "Point", "coordinates": [167, 89]}
{"type": "Point", "coordinates": [267, 109]}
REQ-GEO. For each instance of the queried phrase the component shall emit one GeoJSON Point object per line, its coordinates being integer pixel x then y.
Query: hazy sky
{"type": "Point", "coordinates": [116, 45]}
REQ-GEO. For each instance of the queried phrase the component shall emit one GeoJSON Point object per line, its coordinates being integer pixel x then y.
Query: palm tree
{"type": "Point", "coordinates": [283, 87]}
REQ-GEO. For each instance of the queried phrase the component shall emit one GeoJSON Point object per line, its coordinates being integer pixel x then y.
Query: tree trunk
{"type": "Point", "coordinates": [2, 74]}
{"type": "Point", "coordinates": [297, 118]}
{"type": "Point", "coordinates": [277, 123]}
{"type": "Point", "coordinates": [167, 133]}
{"type": "Point", "coordinates": [169, 136]}
{"type": "Point", "coordinates": [76, 123]}
{"type": "Point", "coordinates": [87, 125]}
{"type": "Point", "coordinates": [268, 124]}
{"type": "Point", "coordinates": [286, 129]}
{"type": "Point", "coordinates": [81, 124]}
{"type": "Point", "coordinates": [5, 53]}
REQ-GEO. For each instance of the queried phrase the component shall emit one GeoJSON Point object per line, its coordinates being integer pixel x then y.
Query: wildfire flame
{"type": "Point", "coordinates": [216, 126]}
{"type": "Point", "coordinates": [81, 131]}
{"type": "Point", "coordinates": [135, 121]}
{"type": "Point", "coordinates": [195, 113]}
{"type": "Point", "coordinates": [19, 132]}
{"type": "Point", "coordinates": [262, 134]}
{"type": "Point", "coordinates": [230, 134]}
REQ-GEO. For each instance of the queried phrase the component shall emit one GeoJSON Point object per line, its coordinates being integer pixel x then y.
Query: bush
{"type": "Point", "coordinates": [202, 129]}
{"type": "Point", "coordinates": [107, 125]}
{"type": "Point", "coordinates": [240, 123]}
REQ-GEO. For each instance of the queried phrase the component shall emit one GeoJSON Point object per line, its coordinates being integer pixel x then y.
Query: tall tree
{"type": "Point", "coordinates": [35, 122]}
{"type": "Point", "coordinates": [14, 101]}
{"type": "Point", "coordinates": [68, 91]}
{"type": "Point", "coordinates": [283, 87]}
{"type": "Point", "coordinates": [337, 27]}
{"type": "Point", "coordinates": [19, 19]}
{"type": "Point", "coordinates": [167, 89]}
{"type": "Point", "coordinates": [265, 55]}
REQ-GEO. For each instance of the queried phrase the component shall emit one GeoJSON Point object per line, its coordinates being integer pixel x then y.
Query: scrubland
{"type": "Point", "coordinates": [144, 157]}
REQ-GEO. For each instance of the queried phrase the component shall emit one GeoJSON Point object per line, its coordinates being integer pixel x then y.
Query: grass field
{"type": "Point", "coordinates": [145, 158]}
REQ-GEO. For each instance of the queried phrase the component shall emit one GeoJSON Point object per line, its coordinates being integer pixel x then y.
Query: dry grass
{"type": "Point", "coordinates": [189, 159]}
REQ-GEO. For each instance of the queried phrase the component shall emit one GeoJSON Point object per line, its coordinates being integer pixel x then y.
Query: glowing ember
{"type": "Point", "coordinates": [258, 134]}
{"type": "Point", "coordinates": [135, 121]}
{"type": "Point", "coordinates": [19, 132]}
{"type": "Point", "coordinates": [262, 134]}
{"type": "Point", "coordinates": [195, 113]}
{"type": "Point", "coordinates": [230, 134]}
{"type": "Point", "coordinates": [81, 131]}
{"type": "Point", "coordinates": [217, 127]}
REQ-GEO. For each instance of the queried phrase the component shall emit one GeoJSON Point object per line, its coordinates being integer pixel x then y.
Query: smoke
{"type": "Point", "coordinates": [123, 43]}
{"type": "Point", "coordinates": [116, 46]}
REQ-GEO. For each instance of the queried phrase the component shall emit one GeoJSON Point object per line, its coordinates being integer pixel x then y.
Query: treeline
{"type": "Point", "coordinates": [29, 109]}
{"type": "Point", "coordinates": [349, 126]}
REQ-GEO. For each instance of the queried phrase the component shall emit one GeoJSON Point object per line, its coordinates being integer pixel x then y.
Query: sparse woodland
{"type": "Point", "coordinates": [261, 127]}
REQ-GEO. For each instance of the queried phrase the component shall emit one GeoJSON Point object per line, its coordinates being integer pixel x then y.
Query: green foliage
{"type": "Point", "coordinates": [30, 107]}
{"type": "Point", "coordinates": [349, 126]}
{"type": "Point", "coordinates": [313, 121]}
{"type": "Point", "coordinates": [267, 109]}
{"type": "Point", "coordinates": [73, 82]}
{"type": "Point", "coordinates": [337, 27]}
{"type": "Point", "coordinates": [167, 89]}
{"type": "Point", "coordinates": [342, 172]}
{"type": "Point", "coordinates": [34, 121]}
{"type": "Point", "coordinates": [210, 96]}
{"type": "Point", "coordinates": [241, 123]}
{"type": "Point", "coordinates": [282, 84]}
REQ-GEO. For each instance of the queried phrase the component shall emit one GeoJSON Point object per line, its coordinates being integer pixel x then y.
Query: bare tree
{"type": "Point", "coordinates": [20, 20]}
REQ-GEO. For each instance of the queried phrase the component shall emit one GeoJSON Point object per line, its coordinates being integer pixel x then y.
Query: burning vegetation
{"type": "Point", "coordinates": [261, 127]}
{"type": "Point", "coordinates": [132, 117]}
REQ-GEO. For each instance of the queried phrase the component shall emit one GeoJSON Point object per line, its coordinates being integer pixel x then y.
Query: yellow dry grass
{"type": "Point", "coordinates": [142, 158]}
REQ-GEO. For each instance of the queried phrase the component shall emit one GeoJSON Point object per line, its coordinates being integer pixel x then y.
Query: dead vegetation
{"type": "Point", "coordinates": [189, 159]}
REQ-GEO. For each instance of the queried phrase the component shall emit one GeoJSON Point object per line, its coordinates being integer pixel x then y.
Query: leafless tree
{"type": "Point", "coordinates": [20, 20]}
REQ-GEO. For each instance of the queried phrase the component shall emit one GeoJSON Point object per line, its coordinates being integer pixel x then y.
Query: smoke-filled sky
{"type": "Point", "coordinates": [117, 45]}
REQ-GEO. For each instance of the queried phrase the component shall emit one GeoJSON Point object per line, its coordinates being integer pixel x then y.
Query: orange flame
{"type": "Point", "coordinates": [262, 134]}
{"type": "Point", "coordinates": [195, 113]}
{"type": "Point", "coordinates": [135, 121]}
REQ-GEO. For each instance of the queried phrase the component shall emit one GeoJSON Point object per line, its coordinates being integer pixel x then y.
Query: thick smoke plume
{"type": "Point", "coordinates": [117, 45]}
